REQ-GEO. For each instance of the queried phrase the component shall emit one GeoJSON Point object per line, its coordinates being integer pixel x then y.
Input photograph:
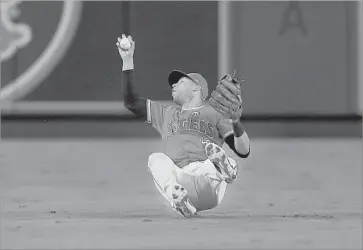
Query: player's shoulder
{"type": "Point", "coordinates": [209, 109]}
{"type": "Point", "coordinates": [171, 107]}
{"type": "Point", "coordinates": [207, 106]}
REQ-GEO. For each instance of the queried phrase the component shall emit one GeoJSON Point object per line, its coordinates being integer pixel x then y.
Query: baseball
{"type": "Point", "coordinates": [125, 44]}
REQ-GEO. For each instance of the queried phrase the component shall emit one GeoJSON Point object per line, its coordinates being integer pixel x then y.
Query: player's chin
{"type": "Point", "coordinates": [173, 95]}
{"type": "Point", "coordinates": [176, 101]}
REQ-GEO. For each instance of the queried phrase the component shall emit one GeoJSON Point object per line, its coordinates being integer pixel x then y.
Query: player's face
{"type": "Point", "coordinates": [183, 90]}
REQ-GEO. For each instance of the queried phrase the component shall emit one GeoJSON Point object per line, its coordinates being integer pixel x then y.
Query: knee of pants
{"type": "Point", "coordinates": [160, 163]}
{"type": "Point", "coordinates": [156, 159]}
{"type": "Point", "coordinates": [207, 196]}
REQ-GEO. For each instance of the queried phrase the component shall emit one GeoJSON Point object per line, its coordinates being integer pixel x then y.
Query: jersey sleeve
{"type": "Point", "coordinates": [157, 114]}
{"type": "Point", "coordinates": [224, 127]}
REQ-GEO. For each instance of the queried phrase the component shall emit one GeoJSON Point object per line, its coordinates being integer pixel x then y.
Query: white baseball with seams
{"type": "Point", "coordinates": [125, 44]}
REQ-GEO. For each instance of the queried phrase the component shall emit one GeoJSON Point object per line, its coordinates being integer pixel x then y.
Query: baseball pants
{"type": "Point", "coordinates": [203, 182]}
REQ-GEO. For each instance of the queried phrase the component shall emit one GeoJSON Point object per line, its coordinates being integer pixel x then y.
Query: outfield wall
{"type": "Point", "coordinates": [310, 70]}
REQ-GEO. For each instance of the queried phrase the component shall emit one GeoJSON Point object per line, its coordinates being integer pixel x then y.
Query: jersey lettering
{"type": "Point", "coordinates": [190, 124]}
{"type": "Point", "coordinates": [184, 124]}
{"type": "Point", "coordinates": [210, 130]}
{"type": "Point", "coordinates": [193, 125]}
{"type": "Point", "coordinates": [202, 127]}
{"type": "Point", "coordinates": [205, 140]}
{"type": "Point", "coordinates": [185, 132]}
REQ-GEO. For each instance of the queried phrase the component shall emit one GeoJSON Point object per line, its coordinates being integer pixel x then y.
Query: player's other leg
{"type": "Point", "coordinates": [227, 165]}
{"type": "Point", "coordinates": [206, 186]}
{"type": "Point", "coordinates": [164, 172]}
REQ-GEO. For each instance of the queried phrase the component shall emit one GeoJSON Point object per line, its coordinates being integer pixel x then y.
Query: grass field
{"type": "Point", "coordinates": [292, 193]}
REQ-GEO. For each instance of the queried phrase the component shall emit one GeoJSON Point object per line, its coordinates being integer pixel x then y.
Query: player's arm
{"type": "Point", "coordinates": [235, 136]}
{"type": "Point", "coordinates": [132, 101]}
{"type": "Point", "coordinates": [152, 112]}
{"type": "Point", "coordinates": [239, 141]}
{"type": "Point", "coordinates": [226, 100]}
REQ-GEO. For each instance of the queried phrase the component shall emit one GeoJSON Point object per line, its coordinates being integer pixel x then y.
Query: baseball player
{"type": "Point", "coordinates": [194, 171]}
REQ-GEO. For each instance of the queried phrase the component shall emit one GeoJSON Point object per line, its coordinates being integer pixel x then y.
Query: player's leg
{"type": "Point", "coordinates": [164, 172]}
{"type": "Point", "coordinates": [208, 184]}
{"type": "Point", "coordinates": [228, 166]}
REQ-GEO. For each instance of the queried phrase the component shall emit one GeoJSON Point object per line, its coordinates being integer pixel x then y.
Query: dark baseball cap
{"type": "Point", "coordinates": [197, 78]}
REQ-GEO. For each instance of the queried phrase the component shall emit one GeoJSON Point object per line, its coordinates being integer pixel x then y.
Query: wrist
{"type": "Point", "coordinates": [235, 121]}
{"type": "Point", "coordinates": [238, 128]}
{"type": "Point", "coordinates": [128, 64]}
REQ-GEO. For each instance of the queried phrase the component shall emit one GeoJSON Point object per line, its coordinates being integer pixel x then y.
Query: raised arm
{"type": "Point", "coordinates": [132, 101]}
{"type": "Point", "coordinates": [239, 141]}
{"type": "Point", "coordinates": [227, 101]}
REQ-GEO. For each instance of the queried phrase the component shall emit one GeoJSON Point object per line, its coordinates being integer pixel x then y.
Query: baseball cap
{"type": "Point", "coordinates": [197, 78]}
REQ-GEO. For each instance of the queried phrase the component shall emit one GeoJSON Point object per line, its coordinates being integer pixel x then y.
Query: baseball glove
{"type": "Point", "coordinates": [226, 98]}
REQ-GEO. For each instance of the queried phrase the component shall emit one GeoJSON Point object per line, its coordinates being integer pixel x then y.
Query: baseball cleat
{"type": "Point", "coordinates": [181, 203]}
{"type": "Point", "coordinates": [227, 165]}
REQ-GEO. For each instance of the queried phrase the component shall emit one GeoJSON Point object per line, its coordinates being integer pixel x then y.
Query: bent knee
{"type": "Point", "coordinates": [204, 201]}
{"type": "Point", "coordinates": [157, 160]}
{"type": "Point", "coordinates": [155, 156]}
{"type": "Point", "coordinates": [207, 196]}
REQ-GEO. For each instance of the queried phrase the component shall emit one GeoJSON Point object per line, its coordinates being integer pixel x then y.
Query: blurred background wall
{"type": "Point", "coordinates": [299, 61]}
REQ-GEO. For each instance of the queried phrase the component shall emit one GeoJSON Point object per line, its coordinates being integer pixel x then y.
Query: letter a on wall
{"type": "Point", "coordinates": [292, 18]}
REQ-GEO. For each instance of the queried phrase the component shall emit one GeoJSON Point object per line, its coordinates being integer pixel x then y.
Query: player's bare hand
{"type": "Point", "coordinates": [125, 53]}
